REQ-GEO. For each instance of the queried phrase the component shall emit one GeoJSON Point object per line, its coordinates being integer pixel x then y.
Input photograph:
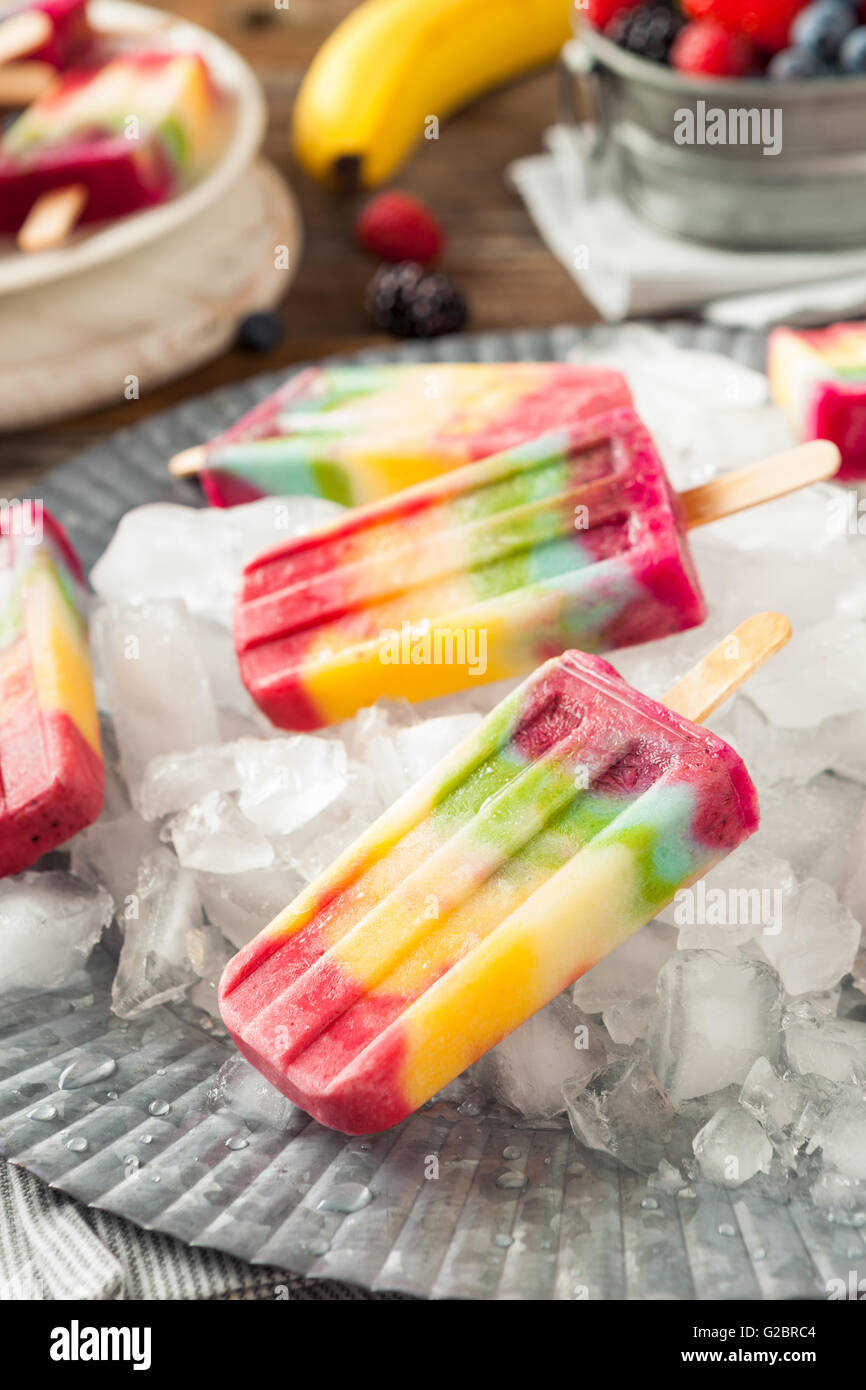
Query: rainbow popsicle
{"type": "Point", "coordinates": [573, 539]}
{"type": "Point", "coordinates": [129, 133]}
{"type": "Point", "coordinates": [51, 771]}
{"type": "Point", "coordinates": [818, 377]}
{"type": "Point", "coordinates": [356, 433]}
{"type": "Point", "coordinates": [55, 32]}
{"type": "Point", "coordinates": [568, 820]}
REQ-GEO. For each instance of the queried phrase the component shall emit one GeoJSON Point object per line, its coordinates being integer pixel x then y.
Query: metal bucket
{"type": "Point", "coordinates": [811, 195]}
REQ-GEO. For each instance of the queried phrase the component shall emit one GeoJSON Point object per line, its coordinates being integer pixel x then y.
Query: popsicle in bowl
{"type": "Point", "coordinates": [51, 770]}
{"type": "Point", "coordinates": [39, 38]}
{"type": "Point", "coordinates": [567, 821]}
{"type": "Point", "coordinates": [102, 143]}
{"type": "Point", "coordinates": [573, 540]}
{"type": "Point", "coordinates": [818, 377]}
{"type": "Point", "coordinates": [354, 434]}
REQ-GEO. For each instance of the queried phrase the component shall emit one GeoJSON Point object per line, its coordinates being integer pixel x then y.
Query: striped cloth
{"type": "Point", "coordinates": [53, 1248]}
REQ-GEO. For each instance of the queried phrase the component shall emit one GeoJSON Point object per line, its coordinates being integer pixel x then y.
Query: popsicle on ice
{"type": "Point", "coordinates": [51, 771]}
{"type": "Point", "coordinates": [575, 539]}
{"type": "Point", "coordinates": [818, 377]}
{"type": "Point", "coordinates": [125, 135]}
{"type": "Point", "coordinates": [567, 821]}
{"type": "Point", "coordinates": [355, 433]}
{"type": "Point", "coordinates": [55, 32]}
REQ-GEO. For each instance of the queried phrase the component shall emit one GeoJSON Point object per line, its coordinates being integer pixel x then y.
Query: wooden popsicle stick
{"type": "Point", "coordinates": [188, 462]}
{"type": "Point", "coordinates": [21, 83]}
{"type": "Point", "coordinates": [52, 218]}
{"type": "Point", "coordinates": [761, 482]}
{"type": "Point", "coordinates": [728, 666]}
{"type": "Point", "coordinates": [24, 33]}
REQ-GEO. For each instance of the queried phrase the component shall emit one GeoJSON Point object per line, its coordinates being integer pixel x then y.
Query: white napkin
{"type": "Point", "coordinates": [627, 268]}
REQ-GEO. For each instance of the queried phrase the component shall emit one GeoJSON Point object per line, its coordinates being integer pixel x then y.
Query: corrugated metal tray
{"type": "Point", "coordinates": [360, 1210]}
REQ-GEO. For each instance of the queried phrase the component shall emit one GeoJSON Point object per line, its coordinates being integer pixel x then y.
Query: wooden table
{"type": "Point", "coordinates": [494, 255]}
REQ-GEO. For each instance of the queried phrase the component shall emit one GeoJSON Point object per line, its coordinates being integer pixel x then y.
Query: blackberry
{"type": "Point", "coordinates": [649, 31]}
{"type": "Point", "coordinates": [410, 302]}
{"type": "Point", "coordinates": [259, 332]}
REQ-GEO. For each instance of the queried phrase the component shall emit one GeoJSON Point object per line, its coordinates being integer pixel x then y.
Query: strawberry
{"type": "Point", "coordinates": [396, 227]}
{"type": "Point", "coordinates": [766, 22]}
{"type": "Point", "coordinates": [601, 12]}
{"type": "Point", "coordinates": [705, 49]}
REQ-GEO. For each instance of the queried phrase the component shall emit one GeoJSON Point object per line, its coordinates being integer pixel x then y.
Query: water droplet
{"type": "Point", "coordinates": [46, 1111]}
{"type": "Point", "coordinates": [146, 1139]}
{"type": "Point", "coordinates": [760, 1253]}
{"type": "Point", "coordinates": [469, 1107]}
{"type": "Point", "coordinates": [77, 1145]}
{"type": "Point", "coordinates": [511, 1152]}
{"type": "Point", "coordinates": [154, 1177]}
{"type": "Point", "coordinates": [159, 1107]}
{"type": "Point", "coordinates": [650, 1204]}
{"type": "Point", "coordinates": [546, 1162]}
{"type": "Point", "coordinates": [131, 1163]}
{"type": "Point", "coordinates": [317, 1245]}
{"type": "Point", "coordinates": [346, 1197]}
{"type": "Point", "coordinates": [503, 1241]}
{"type": "Point", "coordinates": [511, 1182]}
{"type": "Point", "coordinates": [160, 1071]}
{"type": "Point", "coordinates": [237, 1141]}
{"type": "Point", "coordinates": [111, 1095]}
{"type": "Point", "coordinates": [726, 1230]}
{"type": "Point", "coordinates": [85, 1070]}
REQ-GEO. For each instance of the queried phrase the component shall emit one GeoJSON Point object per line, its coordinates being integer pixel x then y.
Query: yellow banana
{"type": "Point", "coordinates": [374, 87]}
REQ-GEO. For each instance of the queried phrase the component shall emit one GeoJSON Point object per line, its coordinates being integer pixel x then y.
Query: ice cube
{"type": "Point", "coordinates": [215, 837]}
{"type": "Point", "coordinates": [286, 782]}
{"type": "Point", "coordinates": [526, 1071]}
{"type": "Point", "coordinates": [155, 684]}
{"type": "Point", "coordinates": [155, 964]}
{"type": "Point", "coordinates": [843, 1139]}
{"type": "Point", "coordinates": [242, 1091]}
{"type": "Point", "coordinates": [716, 1015]}
{"type": "Point", "coordinates": [817, 676]}
{"type": "Point", "coordinates": [854, 890]}
{"type": "Point", "coordinates": [816, 942]}
{"type": "Point", "coordinates": [109, 853]}
{"type": "Point", "coordinates": [741, 899]}
{"type": "Point", "coordinates": [175, 781]}
{"type": "Point", "coordinates": [49, 924]}
{"type": "Point", "coordinates": [242, 905]}
{"type": "Point", "coordinates": [163, 551]}
{"type": "Point", "coordinates": [773, 1100]}
{"type": "Point", "coordinates": [313, 847]}
{"type": "Point", "coordinates": [812, 826]}
{"type": "Point", "coordinates": [627, 1022]}
{"type": "Point", "coordinates": [628, 973]}
{"type": "Point", "coordinates": [400, 761]}
{"type": "Point", "coordinates": [622, 1112]}
{"type": "Point", "coordinates": [732, 1147]}
{"type": "Point", "coordinates": [835, 1048]}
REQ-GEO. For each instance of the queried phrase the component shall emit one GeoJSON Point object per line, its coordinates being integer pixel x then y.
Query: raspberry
{"type": "Point", "coordinates": [705, 48]}
{"type": "Point", "coordinates": [411, 302]}
{"type": "Point", "coordinates": [766, 22]}
{"type": "Point", "coordinates": [601, 12]}
{"type": "Point", "coordinates": [395, 227]}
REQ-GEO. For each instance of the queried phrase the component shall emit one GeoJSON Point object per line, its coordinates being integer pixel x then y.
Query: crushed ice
{"type": "Point", "coordinates": [725, 1042]}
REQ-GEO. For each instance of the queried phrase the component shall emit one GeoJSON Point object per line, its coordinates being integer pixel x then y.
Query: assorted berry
{"type": "Point", "coordinates": [410, 301]}
{"type": "Point", "coordinates": [785, 39]}
{"type": "Point", "coordinates": [705, 49]}
{"type": "Point", "coordinates": [396, 227]}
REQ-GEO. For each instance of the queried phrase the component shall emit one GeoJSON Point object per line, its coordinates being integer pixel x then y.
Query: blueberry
{"type": "Point", "coordinates": [794, 63]}
{"type": "Point", "coordinates": [852, 55]}
{"type": "Point", "coordinates": [260, 332]}
{"type": "Point", "coordinates": [823, 26]}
